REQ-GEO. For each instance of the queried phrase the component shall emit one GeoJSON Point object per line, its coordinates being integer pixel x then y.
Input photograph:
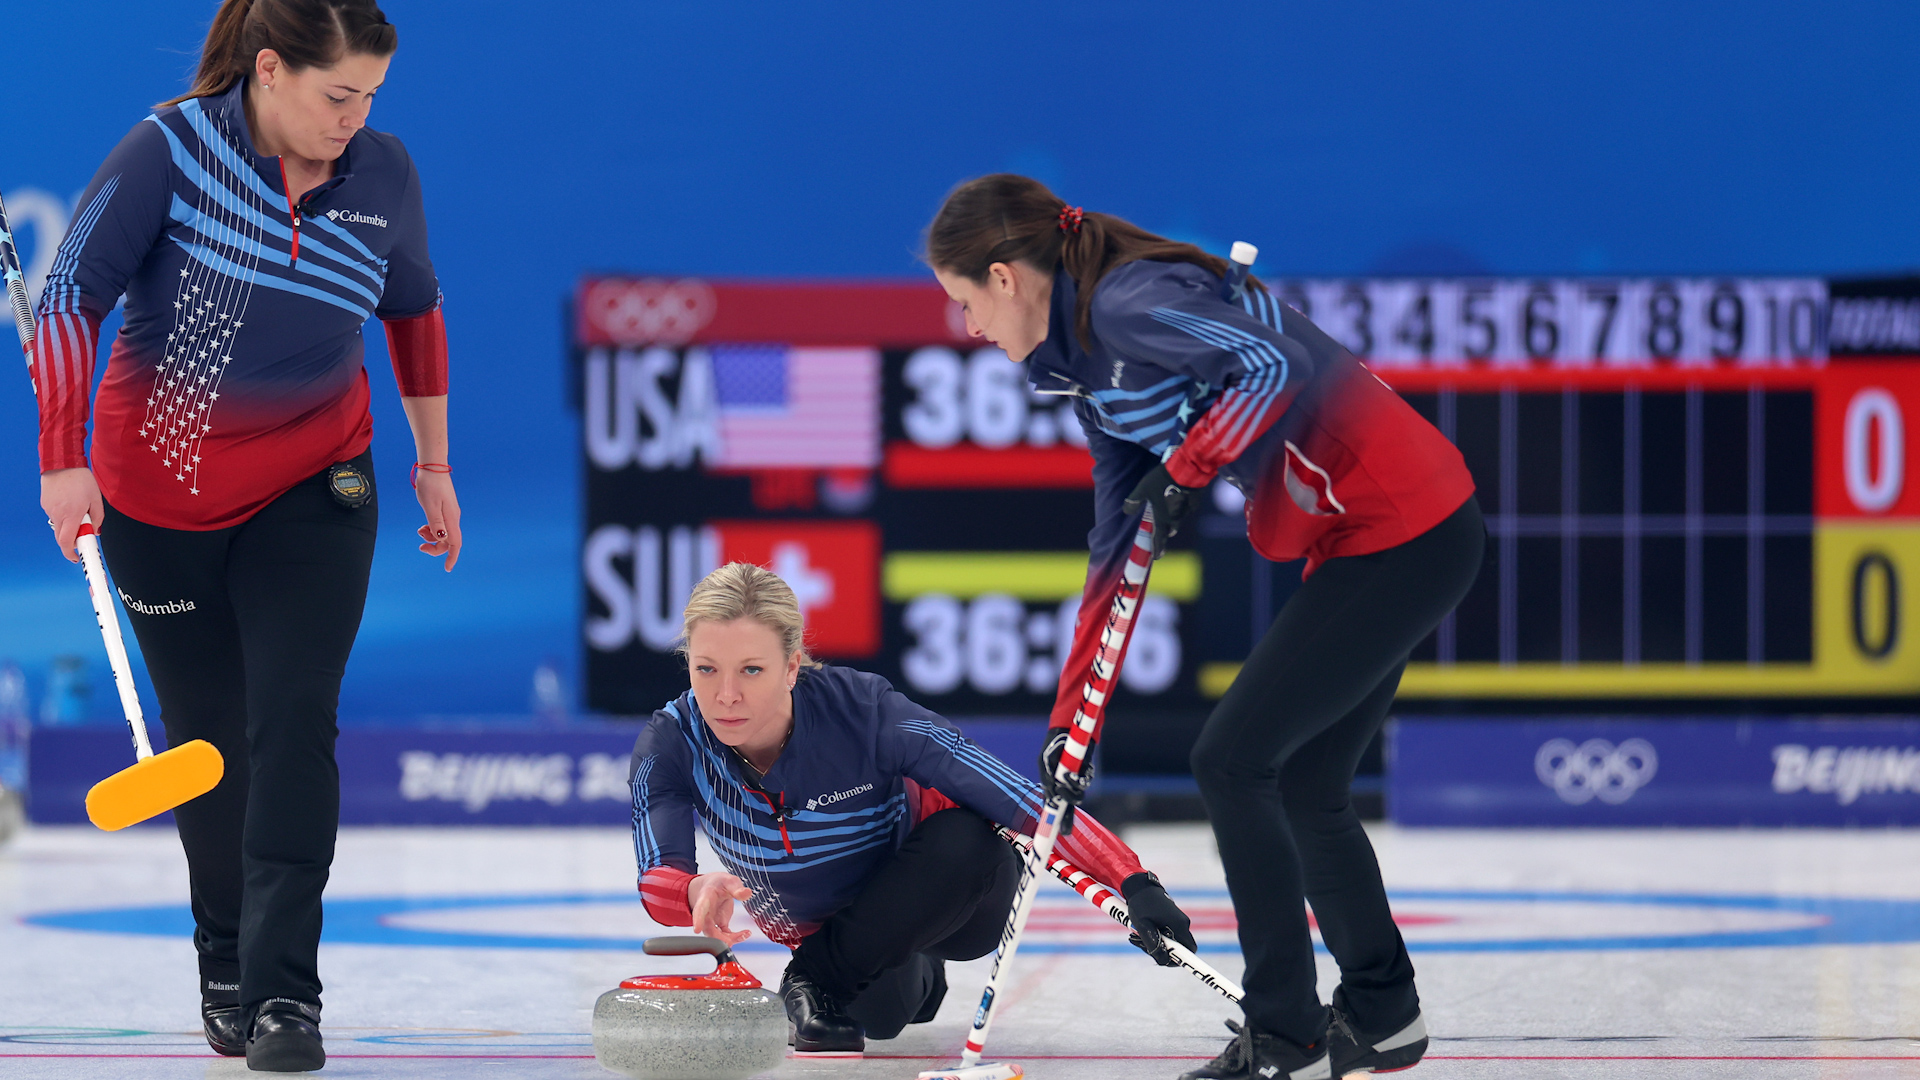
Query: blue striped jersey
{"type": "Point", "coordinates": [834, 807]}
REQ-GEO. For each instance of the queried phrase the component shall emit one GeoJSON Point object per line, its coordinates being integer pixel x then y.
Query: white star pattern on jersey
{"type": "Point", "coordinates": [208, 309]}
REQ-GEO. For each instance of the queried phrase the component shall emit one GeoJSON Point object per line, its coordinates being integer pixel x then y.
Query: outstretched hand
{"type": "Point", "coordinates": [442, 530]}
{"type": "Point", "coordinates": [711, 896]}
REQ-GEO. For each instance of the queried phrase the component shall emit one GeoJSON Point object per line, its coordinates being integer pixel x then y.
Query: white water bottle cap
{"type": "Point", "coordinates": [1243, 253]}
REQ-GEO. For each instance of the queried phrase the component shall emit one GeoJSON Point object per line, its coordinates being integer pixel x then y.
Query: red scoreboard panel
{"type": "Point", "coordinates": [1696, 488]}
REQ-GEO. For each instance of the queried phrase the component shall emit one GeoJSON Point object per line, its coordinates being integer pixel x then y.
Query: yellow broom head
{"type": "Point", "coordinates": [155, 786]}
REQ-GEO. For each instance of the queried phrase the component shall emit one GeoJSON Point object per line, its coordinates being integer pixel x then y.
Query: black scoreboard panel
{"type": "Point", "coordinates": [1725, 536]}
{"type": "Point", "coordinates": [1573, 577]}
{"type": "Point", "coordinates": [1687, 496]}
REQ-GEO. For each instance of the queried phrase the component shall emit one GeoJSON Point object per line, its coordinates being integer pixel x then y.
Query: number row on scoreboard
{"type": "Point", "coordinates": [1397, 322]}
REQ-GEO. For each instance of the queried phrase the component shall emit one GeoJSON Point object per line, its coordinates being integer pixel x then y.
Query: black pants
{"type": "Point", "coordinates": [945, 896]}
{"type": "Point", "coordinates": [1275, 762]}
{"type": "Point", "coordinates": [254, 668]}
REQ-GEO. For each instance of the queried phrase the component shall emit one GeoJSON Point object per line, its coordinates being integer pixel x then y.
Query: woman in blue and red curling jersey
{"type": "Point", "coordinates": [853, 824]}
{"type": "Point", "coordinates": [253, 225]}
{"type": "Point", "coordinates": [1178, 385]}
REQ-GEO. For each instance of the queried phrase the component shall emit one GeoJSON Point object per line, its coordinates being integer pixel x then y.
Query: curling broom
{"type": "Point", "coordinates": [155, 783]}
{"type": "Point", "coordinates": [1070, 778]}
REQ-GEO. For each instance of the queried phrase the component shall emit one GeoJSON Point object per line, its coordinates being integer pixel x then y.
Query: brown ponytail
{"type": "Point", "coordinates": [1006, 218]}
{"type": "Point", "coordinates": [306, 34]}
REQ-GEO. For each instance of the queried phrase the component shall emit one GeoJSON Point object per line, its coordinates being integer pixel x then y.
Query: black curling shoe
{"type": "Point", "coordinates": [818, 1023]}
{"type": "Point", "coordinates": [1256, 1055]}
{"type": "Point", "coordinates": [225, 1023]}
{"type": "Point", "coordinates": [1356, 1051]}
{"type": "Point", "coordinates": [286, 1037]}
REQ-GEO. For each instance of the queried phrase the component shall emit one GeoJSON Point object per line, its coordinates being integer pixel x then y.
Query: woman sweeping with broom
{"type": "Point", "coordinates": [1179, 383]}
{"type": "Point", "coordinates": [253, 225]}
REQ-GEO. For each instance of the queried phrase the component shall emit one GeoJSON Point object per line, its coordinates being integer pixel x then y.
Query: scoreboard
{"type": "Point", "coordinates": [1694, 488]}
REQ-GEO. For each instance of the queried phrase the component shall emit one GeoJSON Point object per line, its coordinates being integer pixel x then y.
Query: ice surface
{"type": "Point", "coordinates": [480, 952]}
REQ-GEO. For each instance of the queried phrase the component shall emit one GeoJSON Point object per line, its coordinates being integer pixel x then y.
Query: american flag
{"type": "Point", "coordinates": [790, 408]}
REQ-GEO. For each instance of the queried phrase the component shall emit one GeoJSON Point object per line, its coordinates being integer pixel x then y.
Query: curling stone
{"type": "Point", "coordinates": [719, 1026]}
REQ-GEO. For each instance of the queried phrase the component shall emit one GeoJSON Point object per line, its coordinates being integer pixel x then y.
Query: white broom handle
{"type": "Point", "coordinates": [109, 619]}
{"type": "Point", "coordinates": [88, 542]}
{"type": "Point", "coordinates": [1069, 772]}
{"type": "Point", "coordinates": [1041, 846]}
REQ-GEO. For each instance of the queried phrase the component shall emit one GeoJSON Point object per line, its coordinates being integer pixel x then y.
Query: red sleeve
{"type": "Point", "coordinates": [63, 355]}
{"type": "Point", "coordinates": [1090, 846]}
{"type": "Point", "coordinates": [663, 890]}
{"type": "Point", "coordinates": [418, 347]}
{"type": "Point", "coordinates": [1222, 433]}
{"type": "Point", "coordinates": [1100, 853]}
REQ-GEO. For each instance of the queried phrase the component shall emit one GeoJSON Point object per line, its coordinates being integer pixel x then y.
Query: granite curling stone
{"type": "Point", "coordinates": [719, 1026]}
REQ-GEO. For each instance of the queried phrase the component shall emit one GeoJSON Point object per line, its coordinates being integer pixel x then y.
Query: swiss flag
{"type": "Point", "coordinates": [833, 567]}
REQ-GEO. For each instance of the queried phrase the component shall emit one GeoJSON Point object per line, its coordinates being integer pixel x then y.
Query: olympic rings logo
{"type": "Point", "coordinates": [649, 311]}
{"type": "Point", "coordinates": [1596, 768]}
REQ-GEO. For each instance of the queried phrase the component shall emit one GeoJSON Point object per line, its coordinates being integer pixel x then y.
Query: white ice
{"type": "Point", "coordinates": [100, 1004]}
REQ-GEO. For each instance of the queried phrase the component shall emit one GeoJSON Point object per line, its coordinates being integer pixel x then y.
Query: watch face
{"type": "Point", "coordinates": [349, 486]}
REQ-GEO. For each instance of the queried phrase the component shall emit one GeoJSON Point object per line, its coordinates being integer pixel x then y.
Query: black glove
{"type": "Point", "coordinates": [1155, 918]}
{"type": "Point", "coordinates": [1172, 504]}
{"type": "Point", "coordinates": [1050, 752]}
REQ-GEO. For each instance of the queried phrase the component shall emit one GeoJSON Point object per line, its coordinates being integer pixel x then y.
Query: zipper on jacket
{"type": "Point", "coordinates": [779, 815]}
{"type": "Point", "coordinates": [292, 211]}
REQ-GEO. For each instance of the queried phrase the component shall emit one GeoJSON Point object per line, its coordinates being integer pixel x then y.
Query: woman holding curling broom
{"type": "Point", "coordinates": [1178, 383]}
{"type": "Point", "coordinates": [856, 826]}
{"type": "Point", "coordinates": [253, 225]}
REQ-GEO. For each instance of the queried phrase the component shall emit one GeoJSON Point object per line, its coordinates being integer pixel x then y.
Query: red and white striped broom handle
{"type": "Point", "coordinates": [1108, 899]}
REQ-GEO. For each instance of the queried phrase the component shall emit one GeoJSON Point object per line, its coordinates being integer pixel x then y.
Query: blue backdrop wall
{"type": "Point", "coordinates": [808, 140]}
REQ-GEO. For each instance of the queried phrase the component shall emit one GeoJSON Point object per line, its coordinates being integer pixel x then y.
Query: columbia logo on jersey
{"type": "Point", "coordinates": [829, 800]}
{"type": "Point", "coordinates": [356, 217]}
{"type": "Point", "coordinates": [165, 607]}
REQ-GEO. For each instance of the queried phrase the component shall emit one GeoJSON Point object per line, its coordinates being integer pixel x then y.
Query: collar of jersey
{"type": "Point", "coordinates": [1052, 363]}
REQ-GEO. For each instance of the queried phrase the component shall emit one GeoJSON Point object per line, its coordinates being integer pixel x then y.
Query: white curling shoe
{"type": "Point", "coordinates": [1256, 1055]}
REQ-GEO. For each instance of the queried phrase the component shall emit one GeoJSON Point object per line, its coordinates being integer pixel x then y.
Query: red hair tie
{"type": "Point", "coordinates": [1070, 218]}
